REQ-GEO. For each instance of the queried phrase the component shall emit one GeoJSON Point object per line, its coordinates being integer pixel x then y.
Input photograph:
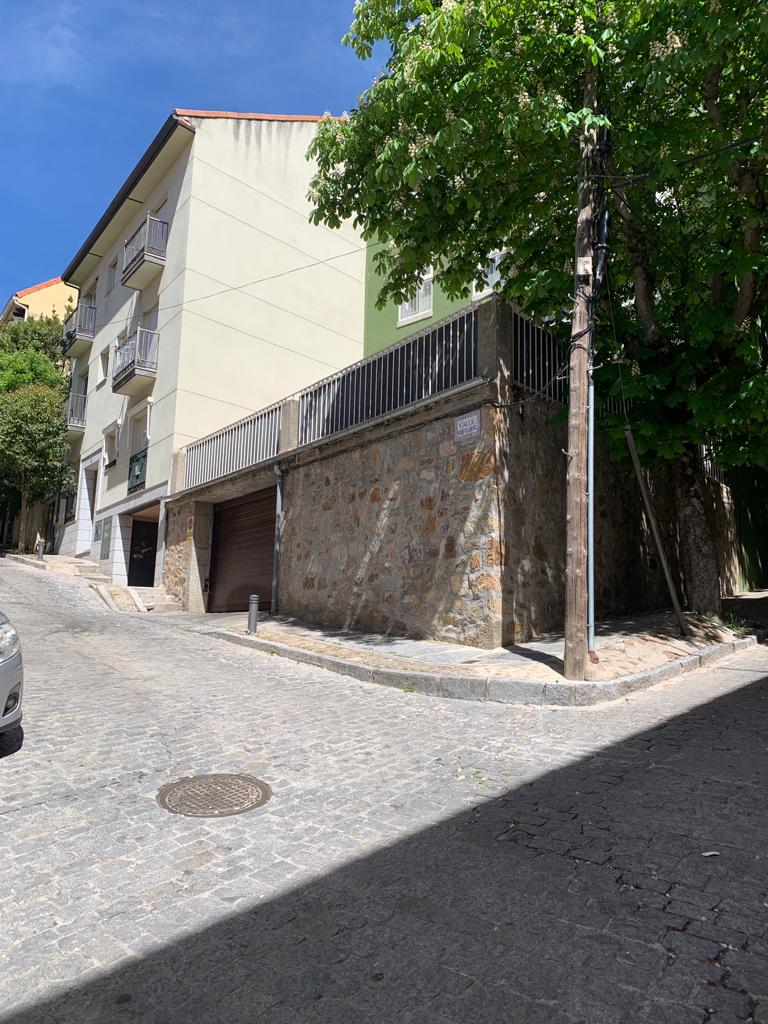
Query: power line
{"type": "Point", "coordinates": [232, 288]}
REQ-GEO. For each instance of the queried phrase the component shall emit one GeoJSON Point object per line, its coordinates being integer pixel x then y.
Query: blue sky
{"type": "Point", "coordinates": [85, 86]}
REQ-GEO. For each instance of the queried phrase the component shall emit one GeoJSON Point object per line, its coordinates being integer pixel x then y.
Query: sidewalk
{"type": "Point", "coordinates": [633, 654]}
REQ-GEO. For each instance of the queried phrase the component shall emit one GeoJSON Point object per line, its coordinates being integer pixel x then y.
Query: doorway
{"type": "Point", "coordinates": [143, 552]}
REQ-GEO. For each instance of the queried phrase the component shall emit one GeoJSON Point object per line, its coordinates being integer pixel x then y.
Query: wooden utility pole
{"type": "Point", "coordinates": [581, 339]}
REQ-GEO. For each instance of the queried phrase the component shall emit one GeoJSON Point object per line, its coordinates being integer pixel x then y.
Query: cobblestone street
{"type": "Point", "coordinates": [422, 861]}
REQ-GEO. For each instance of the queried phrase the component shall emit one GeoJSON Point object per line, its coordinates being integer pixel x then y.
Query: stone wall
{"type": "Point", "coordinates": [399, 533]}
{"type": "Point", "coordinates": [406, 526]}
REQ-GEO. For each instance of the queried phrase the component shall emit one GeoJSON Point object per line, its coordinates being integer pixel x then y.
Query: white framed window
{"type": "Point", "coordinates": [138, 432]}
{"type": "Point", "coordinates": [420, 306]}
{"type": "Point", "coordinates": [110, 446]}
{"type": "Point", "coordinates": [492, 273]}
{"type": "Point", "coordinates": [112, 275]}
{"type": "Point", "coordinates": [89, 298]}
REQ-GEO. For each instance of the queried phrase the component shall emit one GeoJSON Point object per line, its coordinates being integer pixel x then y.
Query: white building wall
{"type": "Point", "coordinates": [272, 302]}
{"type": "Point", "coordinates": [254, 303]}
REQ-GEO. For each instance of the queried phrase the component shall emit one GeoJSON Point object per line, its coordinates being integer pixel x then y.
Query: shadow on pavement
{"type": "Point", "coordinates": [592, 894]}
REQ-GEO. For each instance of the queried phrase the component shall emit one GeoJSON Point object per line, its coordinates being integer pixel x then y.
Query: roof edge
{"type": "Point", "coordinates": [235, 116]}
{"type": "Point", "coordinates": [175, 119]}
{"type": "Point", "coordinates": [38, 287]}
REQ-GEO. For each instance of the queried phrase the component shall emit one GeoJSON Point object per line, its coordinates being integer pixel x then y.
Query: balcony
{"type": "Point", "coordinates": [135, 366]}
{"type": "Point", "coordinates": [75, 413]}
{"type": "Point", "coordinates": [79, 329]}
{"type": "Point", "coordinates": [137, 471]}
{"type": "Point", "coordinates": [144, 253]}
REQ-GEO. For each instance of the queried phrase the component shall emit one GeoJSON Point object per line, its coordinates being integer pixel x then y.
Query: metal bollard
{"type": "Point", "coordinates": [253, 613]}
{"type": "Point", "coordinates": [40, 550]}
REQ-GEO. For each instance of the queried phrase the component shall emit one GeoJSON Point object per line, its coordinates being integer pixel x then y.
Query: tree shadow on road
{"type": "Point", "coordinates": [591, 894]}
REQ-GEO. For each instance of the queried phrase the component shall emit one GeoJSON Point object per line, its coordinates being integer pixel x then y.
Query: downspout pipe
{"type": "Point", "coordinates": [278, 534]}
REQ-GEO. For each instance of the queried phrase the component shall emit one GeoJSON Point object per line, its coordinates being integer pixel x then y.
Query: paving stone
{"type": "Point", "coordinates": [422, 860]}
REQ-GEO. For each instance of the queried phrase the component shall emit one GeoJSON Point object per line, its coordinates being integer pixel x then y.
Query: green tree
{"type": "Point", "coordinates": [28, 366]}
{"type": "Point", "coordinates": [43, 334]}
{"type": "Point", "coordinates": [33, 446]}
{"type": "Point", "coordinates": [468, 143]}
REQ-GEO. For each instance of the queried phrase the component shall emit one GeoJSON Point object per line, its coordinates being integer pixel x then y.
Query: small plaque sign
{"type": "Point", "coordinates": [190, 527]}
{"type": "Point", "coordinates": [467, 426]}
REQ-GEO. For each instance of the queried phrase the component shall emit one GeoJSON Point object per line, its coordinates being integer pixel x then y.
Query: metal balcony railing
{"type": "Point", "coordinates": [76, 406]}
{"type": "Point", "coordinates": [238, 446]}
{"type": "Point", "coordinates": [151, 237]}
{"type": "Point", "coordinates": [81, 323]}
{"type": "Point", "coordinates": [138, 351]}
{"type": "Point", "coordinates": [137, 471]}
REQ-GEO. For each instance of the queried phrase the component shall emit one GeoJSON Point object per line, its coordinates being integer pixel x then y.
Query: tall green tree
{"type": "Point", "coordinates": [33, 446]}
{"type": "Point", "coordinates": [43, 334]}
{"type": "Point", "coordinates": [28, 366]}
{"type": "Point", "coordinates": [468, 143]}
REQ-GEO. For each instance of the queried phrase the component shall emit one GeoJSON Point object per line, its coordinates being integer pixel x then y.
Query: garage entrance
{"type": "Point", "coordinates": [243, 547]}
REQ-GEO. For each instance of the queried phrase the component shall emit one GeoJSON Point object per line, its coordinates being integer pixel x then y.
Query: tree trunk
{"type": "Point", "coordinates": [698, 557]}
{"type": "Point", "coordinates": [23, 515]}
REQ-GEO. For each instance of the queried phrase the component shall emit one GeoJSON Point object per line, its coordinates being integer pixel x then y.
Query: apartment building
{"type": "Point", "coordinates": [48, 298]}
{"type": "Point", "coordinates": [205, 294]}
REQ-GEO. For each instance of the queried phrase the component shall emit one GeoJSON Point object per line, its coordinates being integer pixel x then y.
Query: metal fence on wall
{"type": "Point", "coordinates": [238, 446]}
{"type": "Point", "coordinates": [438, 360]}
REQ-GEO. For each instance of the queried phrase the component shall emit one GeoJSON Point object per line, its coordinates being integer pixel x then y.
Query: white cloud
{"type": "Point", "coordinates": [43, 48]}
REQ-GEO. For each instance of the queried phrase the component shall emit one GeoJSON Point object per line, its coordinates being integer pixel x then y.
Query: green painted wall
{"type": "Point", "coordinates": [380, 329]}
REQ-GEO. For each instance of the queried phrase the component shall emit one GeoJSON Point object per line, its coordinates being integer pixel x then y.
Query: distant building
{"type": "Point", "coordinates": [48, 298]}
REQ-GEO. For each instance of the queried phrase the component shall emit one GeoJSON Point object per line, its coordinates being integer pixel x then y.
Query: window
{"type": "Point", "coordinates": [104, 365]}
{"type": "Point", "coordinates": [139, 433]}
{"type": "Point", "coordinates": [90, 296]}
{"type": "Point", "coordinates": [110, 447]}
{"type": "Point", "coordinates": [112, 275]}
{"type": "Point", "coordinates": [492, 275]}
{"type": "Point", "coordinates": [420, 305]}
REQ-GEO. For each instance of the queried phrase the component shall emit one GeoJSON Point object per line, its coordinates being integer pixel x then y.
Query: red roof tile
{"type": "Point", "coordinates": [248, 117]}
{"type": "Point", "coordinates": [38, 287]}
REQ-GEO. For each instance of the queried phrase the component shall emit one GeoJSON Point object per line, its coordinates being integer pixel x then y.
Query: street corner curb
{"type": "Point", "coordinates": [488, 689]}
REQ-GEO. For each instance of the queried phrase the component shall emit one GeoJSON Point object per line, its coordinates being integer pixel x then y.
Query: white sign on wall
{"type": "Point", "coordinates": [467, 426]}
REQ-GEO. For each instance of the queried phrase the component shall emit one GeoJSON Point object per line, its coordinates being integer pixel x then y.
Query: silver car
{"type": "Point", "coordinates": [11, 676]}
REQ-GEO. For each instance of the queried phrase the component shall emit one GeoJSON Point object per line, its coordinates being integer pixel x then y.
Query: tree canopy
{"type": "Point", "coordinates": [43, 334]}
{"type": "Point", "coordinates": [28, 366]}
{"type": "Point", "coordinates": [468, 143]}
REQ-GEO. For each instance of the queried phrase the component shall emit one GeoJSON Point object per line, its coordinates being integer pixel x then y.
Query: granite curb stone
{"type": "Point", "coordinates": [496, 689]}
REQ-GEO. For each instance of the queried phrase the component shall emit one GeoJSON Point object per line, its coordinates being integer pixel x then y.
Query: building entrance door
{"type": "Point", "coordinates": [141, 562]}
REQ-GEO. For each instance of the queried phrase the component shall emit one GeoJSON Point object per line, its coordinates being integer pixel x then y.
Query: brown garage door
{"type": "Point", "coordinates": [243, 545]}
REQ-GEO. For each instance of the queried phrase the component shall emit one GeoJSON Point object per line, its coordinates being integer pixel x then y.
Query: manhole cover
{"type": "Point", "coordinates": [213, 796]}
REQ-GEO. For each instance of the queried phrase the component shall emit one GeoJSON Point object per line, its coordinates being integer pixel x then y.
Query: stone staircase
{"type": "Point", "coordinates": [155, 599]}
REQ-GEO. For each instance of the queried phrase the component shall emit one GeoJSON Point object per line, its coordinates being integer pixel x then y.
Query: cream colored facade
{"type": "Point", "coordinates": [250, 302]}
{"type": "Point", "coordinates": [48, 298]}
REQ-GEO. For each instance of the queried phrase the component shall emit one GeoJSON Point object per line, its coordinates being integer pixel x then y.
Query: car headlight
{"type": "Point", "coordinates": [9, 641]}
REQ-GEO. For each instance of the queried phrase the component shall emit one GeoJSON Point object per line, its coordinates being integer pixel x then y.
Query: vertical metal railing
{"type": "Point", "coordinates": [539, 364]}
{"type": "Point", "coordinates": [137, 471]}
{"type": "Point", "coordinates": [238, 446]}
{"type": "Point", "coordinates": [151, 236]}
{"type": "Point", "coordinates": [441, 358]}
{"type": "Point", "coordinates": [139, 349]}
{"type": "Point", "coordinates": [76, 406]}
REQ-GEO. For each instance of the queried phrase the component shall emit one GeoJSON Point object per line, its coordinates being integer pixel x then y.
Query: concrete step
{"type": "Point", "coordinates": [95, 577]}
{"type": "Point", "coordinates": [156, 600]}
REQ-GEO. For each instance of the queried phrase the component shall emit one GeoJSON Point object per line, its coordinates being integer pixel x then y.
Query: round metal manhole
{"type": "Point", "coordinates": [213, 796]}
